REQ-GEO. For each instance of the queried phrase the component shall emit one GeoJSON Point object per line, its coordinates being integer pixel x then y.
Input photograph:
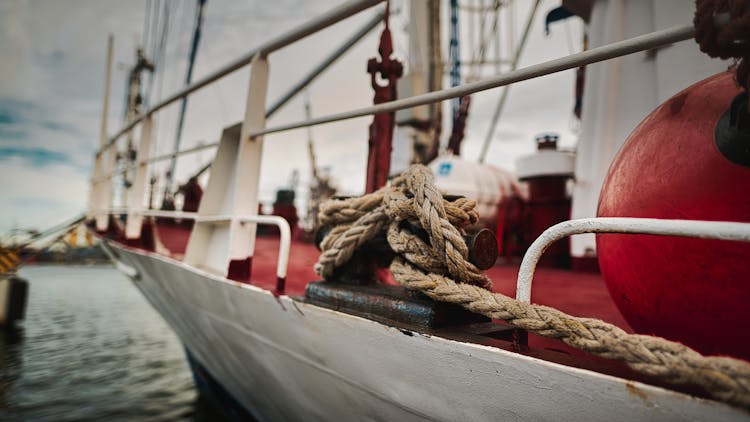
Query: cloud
{"type": "Point", "coordinates": [39, 199]}
{"type": "Point", "coordinates": [36, 157]}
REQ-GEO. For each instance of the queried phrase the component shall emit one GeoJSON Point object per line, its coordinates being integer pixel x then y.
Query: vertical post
{"type": "Point", "coordinates": [97, 204]}
{"type": "Point", "coordinates": [381, 129]}
{"type": "Point", "coordinates": [247, 176]}
{"type": "Point", "coordinates": [137, 192]}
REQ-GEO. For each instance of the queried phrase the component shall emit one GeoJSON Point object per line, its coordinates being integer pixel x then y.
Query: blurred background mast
{"type": "Point", "coordinates": [183, 104]}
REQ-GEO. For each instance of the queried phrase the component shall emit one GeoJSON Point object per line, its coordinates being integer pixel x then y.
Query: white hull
{"type": "Point", "coordinates": [287, 360]}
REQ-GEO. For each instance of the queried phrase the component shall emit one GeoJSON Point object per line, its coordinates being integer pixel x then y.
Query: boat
{"type": "Point", "coordinates": [272, 339]}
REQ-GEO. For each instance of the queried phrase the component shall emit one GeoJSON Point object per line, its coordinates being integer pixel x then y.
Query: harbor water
{"type": "Point", "coordinates": [92, 348]}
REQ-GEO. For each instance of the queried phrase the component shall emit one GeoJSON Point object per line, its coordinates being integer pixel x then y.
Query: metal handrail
{"type": "Point", "coordinates": [325, 20]}
{"type": "Point", "coordinates": [285, 233]}
{"type": "Point", "coordinates": [720, 230]}
{"type": "Point", "coordinates": [621, 48]}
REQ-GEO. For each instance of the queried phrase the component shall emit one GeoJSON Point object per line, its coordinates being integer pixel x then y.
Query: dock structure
{"type": "Point", "coordinates": [13, 289]}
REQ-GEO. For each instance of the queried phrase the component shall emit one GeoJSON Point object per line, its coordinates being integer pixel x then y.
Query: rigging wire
{"type": "Point", "coordinates": [506, 90]}
{"type": "Point", "coordinates": [481, 53]}
{"type": "Point", "coordinates": [167, 24]}
{"type": "Point", "coordinates": [188, 79]}
{"type": "Point", "coordinates": [146, 23]}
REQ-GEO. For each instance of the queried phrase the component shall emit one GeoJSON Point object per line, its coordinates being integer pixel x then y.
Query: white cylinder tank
{"type": "Point", "coordinates": [490, 186]}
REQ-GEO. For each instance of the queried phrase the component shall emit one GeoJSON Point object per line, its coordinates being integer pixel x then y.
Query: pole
{"type": "Point", "coordinates": [107, 84]}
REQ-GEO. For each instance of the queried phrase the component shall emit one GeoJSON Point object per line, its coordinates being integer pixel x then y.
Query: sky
{"type": "Point", "coordinates": [52, 84]}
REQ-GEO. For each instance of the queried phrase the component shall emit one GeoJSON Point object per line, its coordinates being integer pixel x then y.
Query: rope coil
{"type": "Point", "coordinates": [725, 39]}
{"type": "Point", "coordinates": [440, 269]}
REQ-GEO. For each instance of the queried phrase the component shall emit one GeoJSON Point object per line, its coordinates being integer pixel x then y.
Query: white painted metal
{"type": "Point", "coordinates": [620, 93]}
{"type": "Point", "coordinates": [640, 43]}
{"type": "Point", "coordinates": [285, 235]}
{"type": "Point", "coordinates": [546, 162]}
{"type": "Point", "coordinates": [137, 191]}
{"type": "Point", "coordinates": [721, 230]}
{"type": "Point", "coordinates": [208, 246]}
{"type": "Point", "coordinates": [242, 237]}
{"type": "Point", "coordinates": [287, 360]}
{"type": "Point", "coordinates": [285, 231]}
{"type": "Point", "coordinates": [213, 244]}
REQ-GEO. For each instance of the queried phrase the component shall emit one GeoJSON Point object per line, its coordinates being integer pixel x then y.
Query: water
{"type": "Point", "coordinates": [92, 348]}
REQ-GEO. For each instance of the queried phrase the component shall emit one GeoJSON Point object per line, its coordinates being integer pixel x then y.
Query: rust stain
{"type": "Point", "coordinates": [632, 389]}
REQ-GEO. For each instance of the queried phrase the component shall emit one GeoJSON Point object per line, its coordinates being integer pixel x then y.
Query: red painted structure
{"type": "Point", "coordinates": [691, 290]}
{"type": "Point", "coordinates": [381, 129]}
{"type": "Point", "coordinates": [548, 204]}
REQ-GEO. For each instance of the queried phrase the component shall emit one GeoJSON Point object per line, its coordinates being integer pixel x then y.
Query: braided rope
{"type": "Point", "coordinates": [730, 39]}
{"type": "Point", "coordinates": [433, 268]}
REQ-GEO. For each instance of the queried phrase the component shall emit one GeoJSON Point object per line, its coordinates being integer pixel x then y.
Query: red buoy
{"type": "Point", "coordinates": [694, 291]}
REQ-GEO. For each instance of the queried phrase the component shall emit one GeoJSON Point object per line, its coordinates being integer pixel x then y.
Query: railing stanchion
{"type": "Point", "coordinates": [232, 189]}
{"type": "Point", "coordinates": [242, 237]}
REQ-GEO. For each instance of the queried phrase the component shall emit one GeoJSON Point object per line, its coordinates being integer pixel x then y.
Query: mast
{"type": "Point", "coordinates": [107, 84]}
{"type": "Point", "coordinates": [183, 104]}
{"type": "Point", "coordinates": [97, 195]}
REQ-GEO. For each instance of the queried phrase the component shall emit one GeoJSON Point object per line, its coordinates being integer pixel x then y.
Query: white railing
{"type": "Point", "coordinates": [721, 230]}
{"type": "Point", "coordinates": [285, 232]}
{"type": "Point", "coordinates": [594, 55]}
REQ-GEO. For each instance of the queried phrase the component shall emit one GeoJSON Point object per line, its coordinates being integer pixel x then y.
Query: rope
{"type": "Point", "coordinates": [725, 40]}
{"type": "Point", "coordinates": [440, 269]}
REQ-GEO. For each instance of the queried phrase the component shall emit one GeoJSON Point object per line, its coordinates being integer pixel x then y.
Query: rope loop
{"type": "Point", "coordinates": [725, 40]}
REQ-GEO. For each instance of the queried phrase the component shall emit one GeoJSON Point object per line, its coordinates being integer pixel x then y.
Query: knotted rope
{"type": "Point", "coordinates": [440, 270]}
{"type": "Point", "coordinates": [725, 39]}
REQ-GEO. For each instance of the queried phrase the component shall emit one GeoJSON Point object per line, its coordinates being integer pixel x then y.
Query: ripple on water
{"type": "Point", "coordinates": [91, 348]}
